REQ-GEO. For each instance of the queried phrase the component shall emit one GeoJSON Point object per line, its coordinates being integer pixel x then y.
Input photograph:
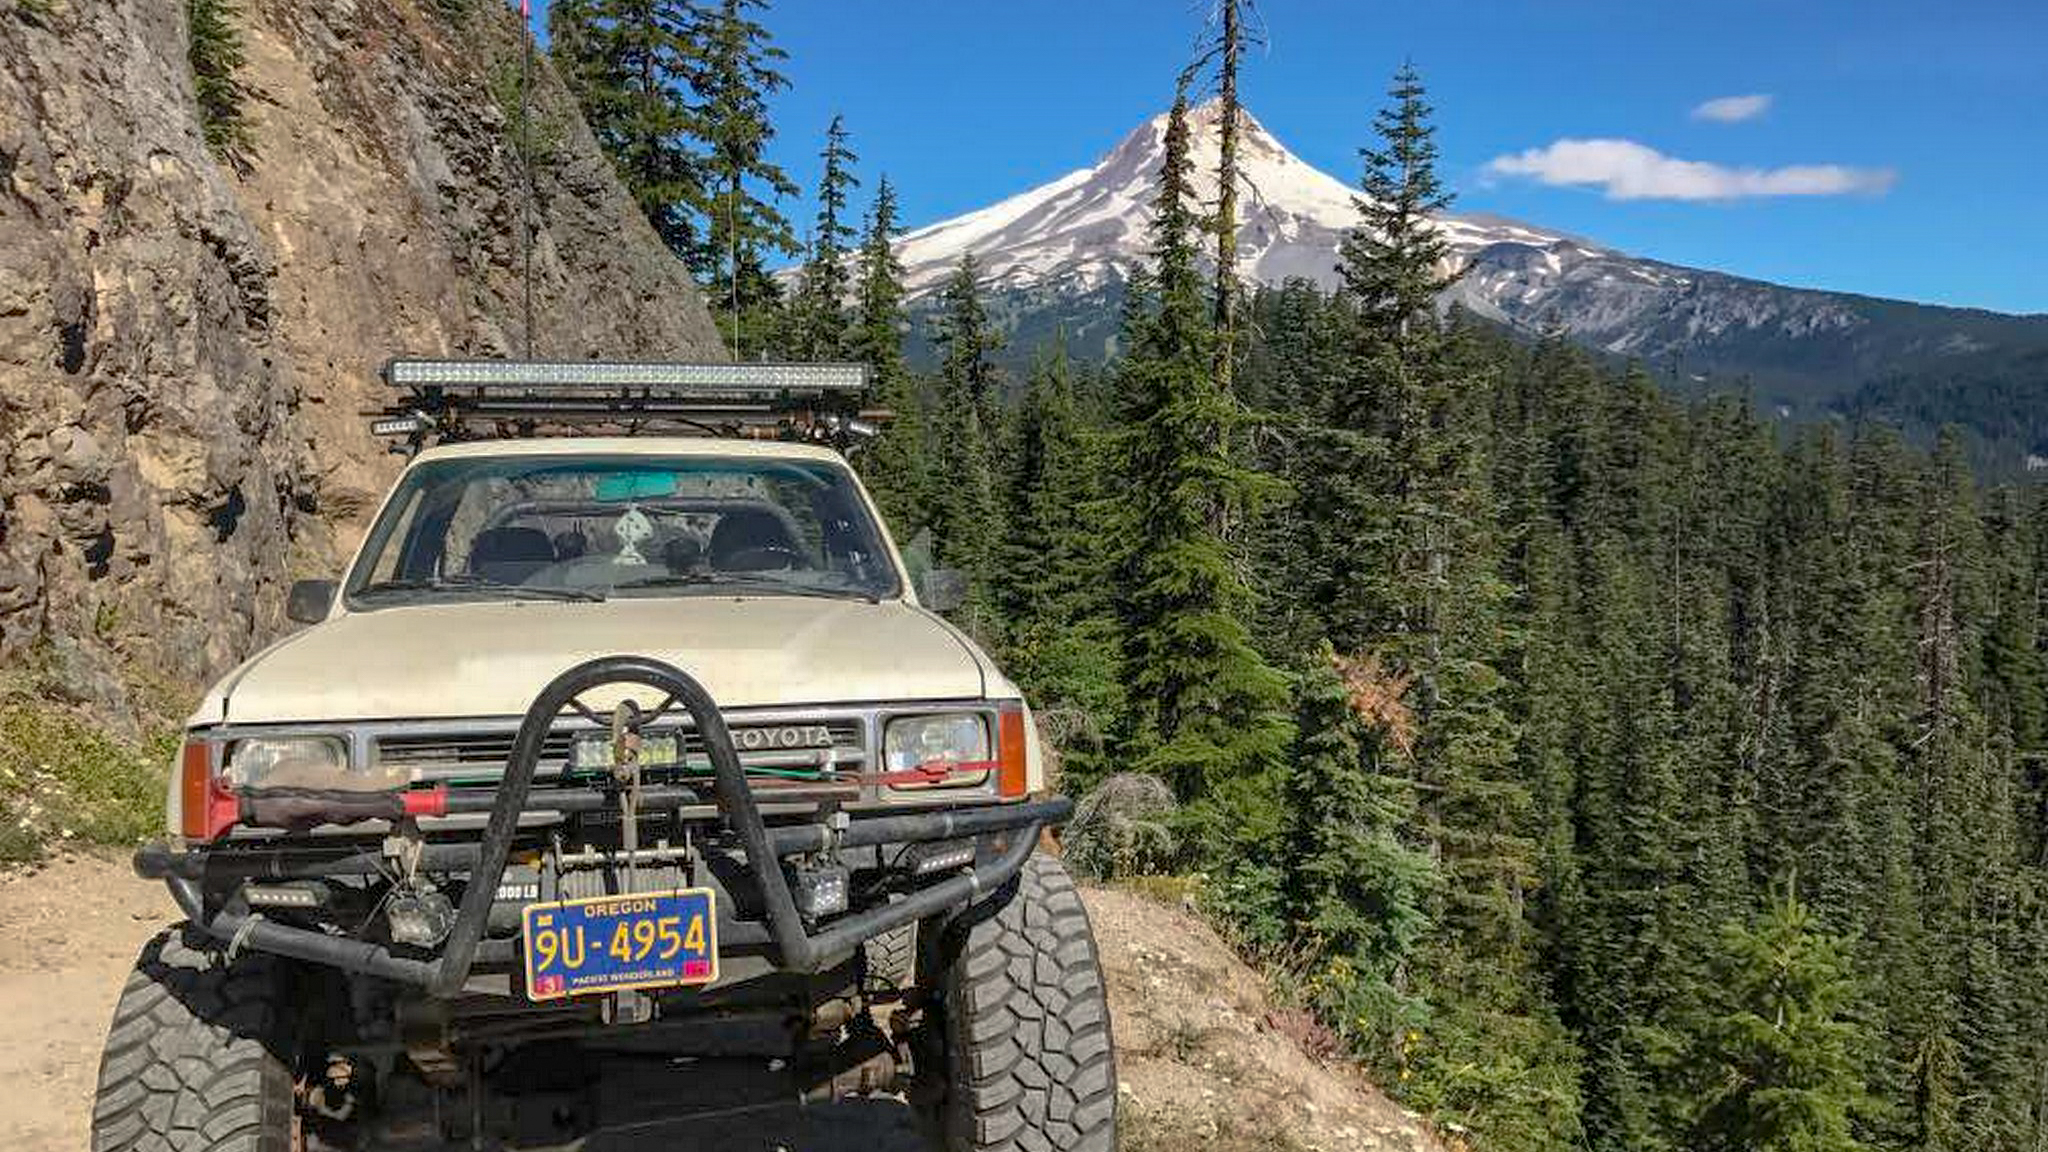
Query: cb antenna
{"type": "Point", "coordinates": [526, 173]}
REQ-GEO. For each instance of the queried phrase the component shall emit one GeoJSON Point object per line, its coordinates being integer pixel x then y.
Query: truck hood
{"type": "Point", "coordinates": [492, 658]}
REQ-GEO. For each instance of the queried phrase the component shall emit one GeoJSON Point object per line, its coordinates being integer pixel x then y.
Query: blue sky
{"type": "Point", "coordinates": [1931, 118]}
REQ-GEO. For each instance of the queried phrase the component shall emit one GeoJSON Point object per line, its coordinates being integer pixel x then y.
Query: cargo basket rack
{"type": "Point", "coordinates": [451, 400]}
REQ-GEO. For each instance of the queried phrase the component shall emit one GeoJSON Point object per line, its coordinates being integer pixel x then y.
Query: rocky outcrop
{"type": "Point", "coordinates": [186, 345]}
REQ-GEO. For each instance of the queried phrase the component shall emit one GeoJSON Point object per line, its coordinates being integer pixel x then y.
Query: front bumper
{"type": "Point", "coordinates": [782, 929]}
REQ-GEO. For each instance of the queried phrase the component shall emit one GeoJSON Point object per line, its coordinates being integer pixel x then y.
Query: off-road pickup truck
{"type": "Point", "coordinates": [622, 780]}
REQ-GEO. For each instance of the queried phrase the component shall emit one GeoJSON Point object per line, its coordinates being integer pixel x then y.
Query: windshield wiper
{"type": "Point", "coordinates": [474, 583]}
{"type": "Point", "coordinates": [747, 584]}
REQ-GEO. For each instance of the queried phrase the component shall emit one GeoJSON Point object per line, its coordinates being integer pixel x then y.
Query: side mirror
{"type": "Point", "coordinates": [309, 600]}
{"type": "Point", "coordinates": [942, 589]}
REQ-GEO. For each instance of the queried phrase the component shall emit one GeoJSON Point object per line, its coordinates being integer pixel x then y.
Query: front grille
{"type": "Point", "coordinates": [476, 750]}
{"type": "Point", "coordinates": [435, 756]}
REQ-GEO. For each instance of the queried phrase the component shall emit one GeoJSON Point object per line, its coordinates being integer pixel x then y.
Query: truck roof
{"type": "Point", "coordinates": [631, 446]}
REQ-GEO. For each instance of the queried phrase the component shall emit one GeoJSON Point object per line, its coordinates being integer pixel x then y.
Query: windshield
{"type": "Point", "coordinates": [573, 527]}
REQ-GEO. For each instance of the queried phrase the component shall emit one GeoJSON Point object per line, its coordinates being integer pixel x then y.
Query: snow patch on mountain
{"type": "Point", "coordinates": [1087, 230]}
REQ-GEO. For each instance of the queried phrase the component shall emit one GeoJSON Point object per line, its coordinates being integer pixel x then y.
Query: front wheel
{"type": "Point", "coordinates": [197, 1058]}
{"type": "Point", "coordinates": [1024, 1022]}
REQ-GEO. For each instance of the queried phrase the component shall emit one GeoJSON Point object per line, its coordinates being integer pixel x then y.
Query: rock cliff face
{"type": "Point", "coordinates": [186, 344]}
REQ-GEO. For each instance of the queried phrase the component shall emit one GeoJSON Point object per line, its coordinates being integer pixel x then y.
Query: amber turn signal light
{"type": "Point", "coordinates": [1013, 777]}
{"type": "Point", "coordinates": [206, 809]}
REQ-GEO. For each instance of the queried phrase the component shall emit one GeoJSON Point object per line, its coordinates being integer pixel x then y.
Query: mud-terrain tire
{"type": "Point", "coordinates": [1025, 1019]}
{"type": "Point", "coordinates": [891, 958]}
{"type": "Point", "coordinates": [196, 1058]}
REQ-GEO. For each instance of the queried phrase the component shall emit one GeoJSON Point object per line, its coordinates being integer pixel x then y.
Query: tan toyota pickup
{"type": "Point", "coordinates": [622, 779]}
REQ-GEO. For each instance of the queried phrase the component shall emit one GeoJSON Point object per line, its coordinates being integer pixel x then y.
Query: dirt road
{"type": "Point", "coordinates": [67, 936]}
{"type": "Point", "coordinates": [1200, 1060]}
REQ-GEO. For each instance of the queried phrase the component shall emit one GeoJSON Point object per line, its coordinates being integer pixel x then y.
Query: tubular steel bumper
{"type": "Point", "coordinates": [794, 947]}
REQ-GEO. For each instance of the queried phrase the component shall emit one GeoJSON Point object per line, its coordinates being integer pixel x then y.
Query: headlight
{"type": "Point", "coordinates": [948, 737]}
{"type": "Point", "coordinates": [319, 762]}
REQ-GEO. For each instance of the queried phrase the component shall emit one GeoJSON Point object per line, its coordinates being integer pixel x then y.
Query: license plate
{"type": "Point", "coordinates": [605, 943]}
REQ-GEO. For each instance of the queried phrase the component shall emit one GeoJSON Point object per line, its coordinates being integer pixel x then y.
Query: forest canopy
{"type": "Point", "coordinates": [1609, 769]}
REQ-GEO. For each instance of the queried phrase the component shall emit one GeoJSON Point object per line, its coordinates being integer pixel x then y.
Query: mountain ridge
{"type": "Point", "coordinates": [1054, 260]}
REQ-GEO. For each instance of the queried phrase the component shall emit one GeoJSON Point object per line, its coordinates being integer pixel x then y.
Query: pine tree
{"type": "Point", "coordinates": [217, 54]}
{"type": "Point", "coordinates": [879, 324]}
{"type": "Point", "coordinates": [1357, 887]}
{"type": "Point", "coordinates": [1206, 711]}
{"type": "Point", "coordinates": [1421, 590]}
{"type": "Point", "coordinates": [1051, 488]}
{"type": "Point", "coordinates": [1780, 1066]}
{"type": "Point", "coordinates": [1232, 37]}
{"type": "Point", "coordinates": [1054, 567]}
{"type": "Point", "coordinates": [1294, 364]}
{"type": "Point", "coordinates": [894, 466]}
{"type": "Point", "coordinates": [733, 83]}
{"type": "Point", "coordinates": [967, 343]}
{"type": "Point", "coordinates": [820, 319]}
{"type": "Point", "coordinates": [965, 515]}
{"type": "Point", "coordinates": [630, 65]}
{"type": "Point", "coordinates": [1393, 262]}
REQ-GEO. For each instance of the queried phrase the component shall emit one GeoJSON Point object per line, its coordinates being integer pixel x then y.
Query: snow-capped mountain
{"type": "Point", "coordinates": [1055, 259]}
{"type": "Point", "coordinates": [1087, 229]}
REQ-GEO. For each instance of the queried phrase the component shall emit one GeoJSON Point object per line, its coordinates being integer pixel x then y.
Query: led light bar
{"type": "Point", "coordinates": [398, 425]}
{"type": "Point", "coordinates": [767, 380]}
{"type": "Point", "coordinates": [464, 399]}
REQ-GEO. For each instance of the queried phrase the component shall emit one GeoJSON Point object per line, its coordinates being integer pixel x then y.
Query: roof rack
{"type": "Point", "coordinates": [447, 400]}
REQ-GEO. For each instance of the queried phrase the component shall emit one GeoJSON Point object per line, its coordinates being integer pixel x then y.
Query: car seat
{"type": "Point", "coordinates": [752, 540]}
{"type": "Point", "coordinates": [510, 555]}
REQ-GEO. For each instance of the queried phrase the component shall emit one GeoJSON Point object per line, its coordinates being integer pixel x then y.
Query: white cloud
{"type": "Point", "coordinates": [1733, 109]}
{"type": "Point", "coordinates": [1626, 170]}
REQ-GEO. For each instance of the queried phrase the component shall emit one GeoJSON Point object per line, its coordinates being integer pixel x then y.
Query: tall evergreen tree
{"type": "Point", "coordinates": [1780, 1063]}
{"type": "Point", "coordinates": [1393, 262]}
{"type": "Point", "coordinates": [820, 320]}
{"type": "Point", "coordinates": [1053, 575]}
{"type": "Point", "coordinates": [965, 514]}
{"type": "Point", "coordinates": [1206, 710]}
{"type": "Point", "coordinates": [1357, 885]}
{"type": "Point", "coordinates": [1423, 591]}
{"type": "Point", "coordinates": [630, 65]}
{"type": "Point", "coordinates": [1232, 37]}
{"type": "Point", "coordinates": [733, 82]}
{"type": "Point", "coordinates": [967, 343]}
{"type": "Point", "coordinates": [878, 322]}
{"type": "Point", "coordinates": [895, 466]}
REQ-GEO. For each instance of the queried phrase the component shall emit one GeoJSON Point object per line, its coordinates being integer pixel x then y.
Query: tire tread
{"type": "Point", "coordinates": [1031, 1065]}
{"type": "Point", "coordinates": [189, 1063]}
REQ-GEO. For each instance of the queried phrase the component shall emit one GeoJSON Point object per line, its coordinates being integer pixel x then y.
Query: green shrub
{"type": "Point", "coordinates": [546, 128]}
{"type": "Point", "coordinates": [63, 780]}
{"type": "Point", "coordinates": [217, 55]}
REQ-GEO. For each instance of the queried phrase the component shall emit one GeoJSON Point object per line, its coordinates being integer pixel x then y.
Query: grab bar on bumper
{"type": "Point", "coordinates": [795, 948]}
